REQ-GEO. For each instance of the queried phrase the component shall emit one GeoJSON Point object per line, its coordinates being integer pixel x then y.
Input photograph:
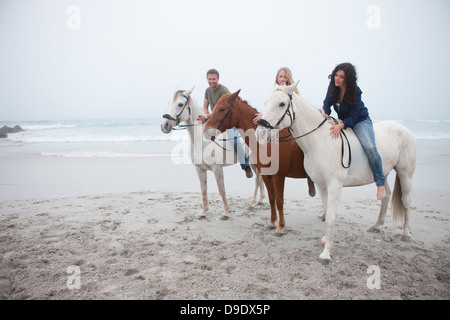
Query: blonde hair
{"type": "Point", "coordinates": [290, 80]}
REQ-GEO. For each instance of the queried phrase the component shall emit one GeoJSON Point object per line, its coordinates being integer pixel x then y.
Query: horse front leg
{"type": "Point", "coordinates": [279, 199]}
{"type": "Point", "coordinates": [218, 173]}
{"type": "Point", "coordinates": [203, 177]}
{"type": "Point", "coordinates": [268, 181]}
{"type": "Point", "coordinates": [258, 185]}
{"type": "Point", "coordinates": [334, 191]}
{"type": "Point", "coordinates": [324, 198]}
{"type": "Point", "coordinates": [382, 216]}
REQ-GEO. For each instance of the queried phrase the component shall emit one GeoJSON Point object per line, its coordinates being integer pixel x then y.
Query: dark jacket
{"type": "Point", "coordinates": [349, 115]}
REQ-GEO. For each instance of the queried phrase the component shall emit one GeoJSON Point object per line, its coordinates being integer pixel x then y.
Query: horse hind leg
{"type": "Point", "coordinates": [218, 173]}
{"type": "Point", "coordinates": [258, 185]}
{"type": "Point", "coordinates": [384, 206]}
{"type": "Point", "coordinates": [401, 205]}
{"type": "Point", "coordinates": [203, 177]}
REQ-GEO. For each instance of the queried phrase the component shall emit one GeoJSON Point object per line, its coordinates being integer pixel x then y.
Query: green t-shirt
{"type": "Point", "coordinates": [214, 96]}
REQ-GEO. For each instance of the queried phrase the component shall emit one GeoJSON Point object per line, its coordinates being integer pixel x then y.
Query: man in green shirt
{"type": "Point", "coordinates": [212, 95]}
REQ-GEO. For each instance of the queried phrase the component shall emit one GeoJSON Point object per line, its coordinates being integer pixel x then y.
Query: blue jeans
{"type": "Point", "coordinates": [364, 132]}
{"type": "Point", "coordinates": [238, 148]}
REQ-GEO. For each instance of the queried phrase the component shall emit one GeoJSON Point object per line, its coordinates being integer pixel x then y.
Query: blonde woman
{"type": "Point", "coordinates": [283, 77]}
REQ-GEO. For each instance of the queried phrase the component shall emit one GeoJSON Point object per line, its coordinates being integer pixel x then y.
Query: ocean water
{"type": "Point", "coordinates": [74, 158]}
{"type": "Point", "coordinates": [135, 138]}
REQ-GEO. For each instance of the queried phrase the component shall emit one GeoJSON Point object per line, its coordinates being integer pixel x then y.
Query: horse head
{"type": "Point", "coordinates": [279, 113]}
{"type": "Point", "coordinates": [223, 116]}
{"type": "Point", "coordinates": [178, 111]}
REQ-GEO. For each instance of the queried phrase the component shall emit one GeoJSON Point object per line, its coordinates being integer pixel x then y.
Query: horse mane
{"type": "Point", "coordinates": [226, 95]}
{"type": "Point", "coordinates": [254, 110]}
{"type": "Point", "coordinates": [331, 121]}
{"type": "Point", "coordinates": [239, 99]}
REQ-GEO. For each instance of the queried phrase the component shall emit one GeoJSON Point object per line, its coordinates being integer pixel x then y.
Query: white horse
{"type": "Point", "coordinates": [324, 160]}
{"type": "Point", "coordinates": [205, 155]}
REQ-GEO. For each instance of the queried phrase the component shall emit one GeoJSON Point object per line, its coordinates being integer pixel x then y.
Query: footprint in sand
{"type": "Point", "coordinates": [130, 272]}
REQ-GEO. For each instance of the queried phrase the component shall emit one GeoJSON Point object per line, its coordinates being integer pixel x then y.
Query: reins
{"type": "Point", "coordinates": [342, 133]}
{"type": "Point", "coordinates": [303, 135]}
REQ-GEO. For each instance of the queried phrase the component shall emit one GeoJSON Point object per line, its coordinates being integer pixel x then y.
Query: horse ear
{"type": "Point", "coordinates": [188, 93]}
{"type": "Point", "coordinates": [290, 89]}
{"type": "Point", "coordinates": [234, 95]}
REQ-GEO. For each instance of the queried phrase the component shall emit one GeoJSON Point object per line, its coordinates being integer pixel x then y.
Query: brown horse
{"type": "Point", "coordinates": [231, 111]}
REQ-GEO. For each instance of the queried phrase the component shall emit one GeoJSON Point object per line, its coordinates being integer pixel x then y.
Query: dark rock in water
{"type": "Point", "coordinates": [5, 130]}
{"type": "Point", "coordinates": [17, 128]}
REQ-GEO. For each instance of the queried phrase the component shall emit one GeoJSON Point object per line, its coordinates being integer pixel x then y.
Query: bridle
{"type": "Point", "coordinates": [229, 112]}
{"type": "Point", "coordinates": [177, 117]}
{"type": "Point", "coordinates": [266, 124]}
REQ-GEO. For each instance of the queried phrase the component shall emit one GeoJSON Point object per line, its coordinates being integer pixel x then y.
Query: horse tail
{"type": "Point", "coordinates": [397, 207]}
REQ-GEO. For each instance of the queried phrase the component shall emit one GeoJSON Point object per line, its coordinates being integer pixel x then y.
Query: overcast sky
{"type": "Point", "coordinates": [79, 59]}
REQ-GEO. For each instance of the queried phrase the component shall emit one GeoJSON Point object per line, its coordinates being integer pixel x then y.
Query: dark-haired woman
{"type": "Point", "coordinates": [345, 96]}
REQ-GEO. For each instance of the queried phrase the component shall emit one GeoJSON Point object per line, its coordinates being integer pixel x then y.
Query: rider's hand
{"type": "Point", "coordinates": [336, 130]}
{"type": "Point", "coordinates": [258, 116]}
{"type": "Point", "coordinates": [201, 118]}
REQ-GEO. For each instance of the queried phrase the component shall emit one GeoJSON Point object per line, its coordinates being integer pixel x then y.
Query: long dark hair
{"type": "Point", "coordinates": [350, 80]}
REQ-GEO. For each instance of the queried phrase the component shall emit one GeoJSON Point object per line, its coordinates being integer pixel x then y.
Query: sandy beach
{"type": "Point", "coordinates": [129, 229]}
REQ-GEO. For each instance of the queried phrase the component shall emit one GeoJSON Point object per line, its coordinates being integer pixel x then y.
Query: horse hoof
{"type": "Point", "coordinates": [324, 262]}
{"type": "Point", "coordinates": [252, 208]}
{"type": "Point", "coordinates": [202, 216]}
{"type": "Point", "coordinates": [271, 226]}
{"type": "Point", "coordinates": [224, 217]}
{"type": "Point", "coordinates": [278, 234]}
{"type": "Point", "coordinates": [374, 230]}
{"type": "Point", "coordinates": [406, 238]}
